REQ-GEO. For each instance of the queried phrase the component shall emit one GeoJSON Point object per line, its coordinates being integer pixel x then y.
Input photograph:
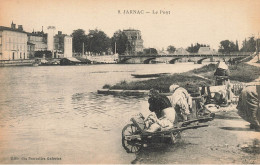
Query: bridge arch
{"type": "Point", "coordinates": [123, 61]}
{"type": "Point", "coordinates": [172, 61]}
{"type": "Point", "coordinates": [200, 61]}
{"type": "Point", "coordinates": [147, 61]}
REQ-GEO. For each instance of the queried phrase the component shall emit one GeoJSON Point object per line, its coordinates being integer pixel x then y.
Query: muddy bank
{"type": "Point", "coordinates": [228, 139]}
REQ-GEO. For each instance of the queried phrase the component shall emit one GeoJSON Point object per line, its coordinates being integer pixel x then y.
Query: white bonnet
{"type": "Point", "coordinates": [222, 65]}
{"type": "Point", "coordinates": [173, 87]}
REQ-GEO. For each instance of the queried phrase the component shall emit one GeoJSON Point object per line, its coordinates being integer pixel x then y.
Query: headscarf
{"type": "Point", "coordinates": [222, 65]}
{"type": "Point", "coordinates": [173, 87]}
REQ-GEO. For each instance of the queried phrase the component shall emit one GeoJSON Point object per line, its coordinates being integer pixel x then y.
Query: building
{"type": "Point", "coordinates": [206, 50]}
{"type": "Point", "coordinates": [181, 51]}
{"type": "Point", "coordinates": [62, 45]}
{"type": "Point", "coordinates": [39, 39]}
{"type": "Point", "coordinates": [105, 59]}
{"type": "Point", "coordinates": [67, 46]}
{"type": "Point", "coordinates": [163, 52]}
{"type": "Point", "coordinates": [50, 39]}
{"type": "Point", "coordinates": [30, 50]}
{"type": "Point", "coordinates": [13, 43]}
{"type": "Point", "coordinates": [59, 45]}
{"type": "Point", "coordinates": [135, 41]}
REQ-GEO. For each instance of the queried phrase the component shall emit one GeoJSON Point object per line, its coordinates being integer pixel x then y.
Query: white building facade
{"type": "Point", "coordinates": [16, 44]}
{"type": "Point", "coordinates": [13, 44]}
{"type": "Point", "coordinates": [206, 51]}
{"type": "Point", "coordinates": [50, 38]}
{"type": "Point", "coordinates": [67, 46]}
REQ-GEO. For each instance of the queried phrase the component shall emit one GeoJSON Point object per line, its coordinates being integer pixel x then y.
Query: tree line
{"type": "Point", "coordinates": [97, 42]}
{"type": "Point", "coordinates": [250, 44]}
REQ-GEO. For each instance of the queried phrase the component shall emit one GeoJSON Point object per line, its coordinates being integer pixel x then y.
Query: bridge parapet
{"type": "Point", "coordinates": [241, 54]}
{"type": "Point", "coordinates": [187, 57]}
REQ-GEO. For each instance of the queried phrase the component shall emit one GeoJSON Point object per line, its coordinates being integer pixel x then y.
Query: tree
{"type": "Point", "coordinates": [195, 49]}
{"type": "Point", "coordinates": [78, 38]}
{"type": "Point", "coordinates": [171, 49]}
{"type": "Point", "coordinates": [120, 39]}
{"type": "Point", "coordinates": [227, 46]}
{"type": "Point", "coordinates": [237, 47]}
{"type": "Point", "coordinates": [249, 46]}
{"type": "Point", "coordinates": [43, 54]}
{"type": "Point", "coordinates": [98, 41]}
{"type": "Point", "coordinates": [150, 51]}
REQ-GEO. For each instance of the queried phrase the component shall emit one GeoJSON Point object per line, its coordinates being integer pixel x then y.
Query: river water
{"type": "Point", "coordinates": [54, 112]}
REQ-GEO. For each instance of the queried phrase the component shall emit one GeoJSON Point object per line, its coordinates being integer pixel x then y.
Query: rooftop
{"type": "Point", "coordinates": [204, 48]}
{"type": "Point", "coordinates": [2, 28]}
{"type": "Point", "coordinates": [37, 34]}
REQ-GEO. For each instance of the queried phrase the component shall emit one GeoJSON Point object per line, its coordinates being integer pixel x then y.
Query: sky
{"type": "Point", "coordinates": [187, 21]}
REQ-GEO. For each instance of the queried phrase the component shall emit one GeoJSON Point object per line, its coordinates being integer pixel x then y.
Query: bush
{"type": "Point", "coordinates": [189, 82]}
{"type": "Point", "coordinates": [106, 86]}
{"type": "Point", "coordinates": [244, 72]}
{"type": "Point", "coordinates": [206, 68]}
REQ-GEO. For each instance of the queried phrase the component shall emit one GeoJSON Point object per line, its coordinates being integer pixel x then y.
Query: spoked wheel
{"type": "Point", "coordinates": [131, 145]}
{"type": "Point", "coordinates": [205, 113]}
{"type": "Point", "coordinates": [200, 112]}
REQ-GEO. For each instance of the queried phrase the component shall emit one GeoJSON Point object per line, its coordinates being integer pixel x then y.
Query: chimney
{"type": "Point", "coordinates": [20, 27]}
{"type": "Point", "coordinates": [13, 25]}
{"type": "Point", "coordinates": [59, 32]}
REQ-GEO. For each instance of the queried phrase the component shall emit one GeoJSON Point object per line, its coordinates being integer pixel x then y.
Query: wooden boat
{"type": "Point", "coordinates": [148, 75]}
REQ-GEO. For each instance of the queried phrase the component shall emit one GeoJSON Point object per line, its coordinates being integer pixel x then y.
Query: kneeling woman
{"type": "Point", "coordinates": [163, 114]}
{"type": "Point", "coordinates": [152, 123]}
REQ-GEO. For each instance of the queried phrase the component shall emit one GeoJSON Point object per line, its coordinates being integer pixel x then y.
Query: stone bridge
{"type": "Point", "coordinates": [171, 59]}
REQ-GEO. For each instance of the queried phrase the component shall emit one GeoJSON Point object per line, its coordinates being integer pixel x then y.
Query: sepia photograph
{"type": "Point", "coordinates": [129, 82]}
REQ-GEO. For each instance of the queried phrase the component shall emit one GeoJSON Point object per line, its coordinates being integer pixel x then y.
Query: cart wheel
{"type": "Point", "coordinates": [131, 145]}
{"type": "Point", "coordinates": [175, 137]}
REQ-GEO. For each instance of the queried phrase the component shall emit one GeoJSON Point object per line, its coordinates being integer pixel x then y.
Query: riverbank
{"type": "Point", "coordinates": [191, 80]}
{"type": "Point", "coordinates": [23, 62]}
{"type": "Point", "coordinates": [228, 139]}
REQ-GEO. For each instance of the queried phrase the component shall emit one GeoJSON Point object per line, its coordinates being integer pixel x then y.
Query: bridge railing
{"type": "Point", "coordinates": [223, 54]}
{"type": "Point", "coordinates": [194, 54]}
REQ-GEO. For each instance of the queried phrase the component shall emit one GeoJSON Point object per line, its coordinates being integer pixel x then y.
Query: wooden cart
{"type": "Point", "coordinates": [134, 135]}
